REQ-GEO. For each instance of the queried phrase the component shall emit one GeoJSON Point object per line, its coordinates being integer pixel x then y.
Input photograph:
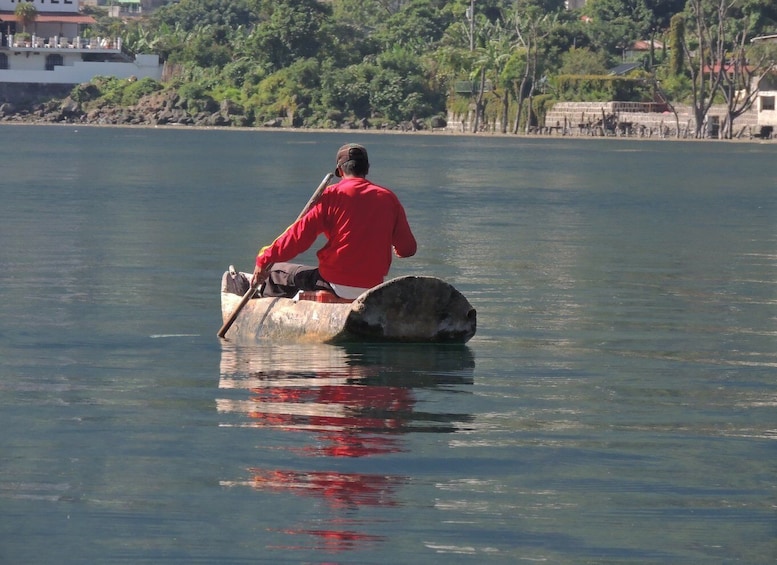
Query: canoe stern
{"type": "Point", "coordinates": [413, 309]}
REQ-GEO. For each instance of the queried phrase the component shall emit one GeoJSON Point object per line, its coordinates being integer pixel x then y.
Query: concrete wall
{"type": "Point", "coordinates": [577, 118]}
{"type": "Point", "coordinates": [767, 117]}
{"type": "Point", "coordinates": [576, 115]}
{"type": "Point", "coordinates": [24, 69]}
{"type": "Point", "coordinates": [25, 94]}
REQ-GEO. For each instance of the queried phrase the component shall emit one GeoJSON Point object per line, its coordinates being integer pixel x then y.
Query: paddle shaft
{"type": "Point", "coordinates": [251, 291]}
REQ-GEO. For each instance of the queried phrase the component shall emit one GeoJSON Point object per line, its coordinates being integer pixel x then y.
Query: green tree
{"type": "Point", "coordinates": [532, 27]}
{"type": "Point", "coordinates": [582, 62]}
{"type": "Point", "coordinates": [614, 24]}
{"type": "Point", "coordinates": [407, 93]}
{"type": "Point", "coordinates": [191, 14]}
{"type": "Point", "coordinates": [515, 73]}
{"type": "Point", "coordinates": [483, 60]}
{"type": "Point", "coordinates": [139, 38]}
{"type": "Point", "coordinates": [364, 15]}
{"type": "Point", "coordinates": [746, 66]}
{"type": "Point", "coordinates": [663, 10]}
{"type": "Point", "coordinates": [676, 44]}
{"type": "Point", "coordinates": [705, 47]}
{"type": "Point", "coordinates": [289, 93]}
{"type": "Point", "coordinates": [418, 25]}
{"type": "Point", "coordinates": [26, 13]}
{"type": "Point", "coordinates": [208, 46]}
{"type": "Point", "coordinates": [490, 62]}
{"type": "Point", "coordinates": [503, 45]}
{"type": "Point", "coordinates": [760, 16]}
{"type": "Point", "coordinates": [348, 90]}
{"type": "Point", "coordinates": [289, 32]}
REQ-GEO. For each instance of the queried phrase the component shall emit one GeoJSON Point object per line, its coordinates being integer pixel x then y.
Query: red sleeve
{"type": "Point", "coordinates": [297, 239]}
{"type": "Point", "coordinates": [403, 240]}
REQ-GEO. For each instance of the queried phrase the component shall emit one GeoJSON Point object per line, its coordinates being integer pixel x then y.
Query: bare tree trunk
{"type": "Point", "coordinates": [665, 99]}
{"type": "Point", "coordinates": [479, 105]}
{"type": "Point", "coordinates": [742, 81]}
{"type": "Point", "coordinates": [505, 108]}
{"type": "Point", "coordinates": [707, 59]}
{"type": "Point", "coordinates": [531, 55]}
{"type": "Point", "coordinates": [519, 110]}
{"type": "Point", "coordinates": [524, 81]}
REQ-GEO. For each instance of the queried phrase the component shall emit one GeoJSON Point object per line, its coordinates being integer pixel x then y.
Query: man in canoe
{"type": "Point", "coordinates": [364, 225]}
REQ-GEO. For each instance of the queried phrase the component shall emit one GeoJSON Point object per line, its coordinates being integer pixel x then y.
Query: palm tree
{"type": "Point", "coordinates": [531, 26]}
{"type": "Point", "coordinates": [485, 56]}
{"type": "Point", "coordinates": [26, 13]}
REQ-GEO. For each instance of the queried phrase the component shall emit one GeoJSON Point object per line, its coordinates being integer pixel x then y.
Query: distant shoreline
{"type": "Point", "coordinates": [439, 133]}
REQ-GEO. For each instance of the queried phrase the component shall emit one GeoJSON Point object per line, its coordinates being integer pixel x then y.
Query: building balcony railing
{"type": "Point", "coordinates": [24, 42]}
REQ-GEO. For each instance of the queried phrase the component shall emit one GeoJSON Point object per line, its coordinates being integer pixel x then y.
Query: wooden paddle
{"type": "Point", "coordinates": [251, 291]}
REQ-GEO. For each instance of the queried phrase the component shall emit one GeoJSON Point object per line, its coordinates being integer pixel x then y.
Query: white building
{"type": "Point", "coordinates": [52, 49]}
{"type": "Point", "coordinates": [765, 105]}
{"type": "Point", "coordinates": [767, 94]}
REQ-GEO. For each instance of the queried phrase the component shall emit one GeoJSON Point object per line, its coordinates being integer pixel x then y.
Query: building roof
{"type": "Point", "coordinates": [52, 17]}
{"type": "Point", "coordinates": [644, 45]}
{"type": "Point", "coordinates": [625, 68]}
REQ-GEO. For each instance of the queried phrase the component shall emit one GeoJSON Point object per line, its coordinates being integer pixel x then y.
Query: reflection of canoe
{"type": "Point", "coordinates": [346, 400]}
{"type": "Point", "coordinates": [406, 309]}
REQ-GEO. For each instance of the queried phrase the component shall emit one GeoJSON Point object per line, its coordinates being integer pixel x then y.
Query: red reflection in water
{"type": "Point", "coordinates": [340, 490]}
{"type": "Point", "coordinates": [349, 420]}
{"type": "Point", "coordinates": [334, 540]}
{"type": "Point", "coordinates": [351, 412]}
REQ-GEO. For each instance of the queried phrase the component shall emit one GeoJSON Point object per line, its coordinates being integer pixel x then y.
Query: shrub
{"type": "Point", "coordinates": [134, 90]}
{"type": "Point", "coordinates": [594, 88]}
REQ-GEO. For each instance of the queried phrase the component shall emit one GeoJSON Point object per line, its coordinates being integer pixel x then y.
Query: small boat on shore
{"type": "Point", "coordinates": [412, 309]}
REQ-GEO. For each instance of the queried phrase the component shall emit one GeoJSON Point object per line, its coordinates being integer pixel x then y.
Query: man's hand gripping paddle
{"type": "Point", "coordinates": [252, 290]}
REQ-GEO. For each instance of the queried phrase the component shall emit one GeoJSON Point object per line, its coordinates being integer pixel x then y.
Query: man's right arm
{"type": "Point", "coordinates": [403, 241]}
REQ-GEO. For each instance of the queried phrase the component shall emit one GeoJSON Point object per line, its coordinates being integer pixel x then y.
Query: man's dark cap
{"type": "Point", "coordinates": [351, 152]}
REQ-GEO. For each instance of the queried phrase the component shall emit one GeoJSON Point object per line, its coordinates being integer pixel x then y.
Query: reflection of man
{"type": "Point", "coordinates": [363, 223]}
{"type": "Point", "coordinates": [340, 489]}
{"type": "Point", "coordinates": [349, 420]}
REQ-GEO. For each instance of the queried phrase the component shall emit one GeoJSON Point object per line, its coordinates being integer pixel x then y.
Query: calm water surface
{"type": "Point", "coordinates": [616, 406]}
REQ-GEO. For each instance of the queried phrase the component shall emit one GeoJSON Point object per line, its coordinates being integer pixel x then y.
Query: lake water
{"type": "Point", "coordinates": [617, 404]}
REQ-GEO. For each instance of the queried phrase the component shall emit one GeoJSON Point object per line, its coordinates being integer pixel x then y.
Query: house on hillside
{"type": "Point", "coordinates": [641, 48]}
{"type": "Point", "coordinates": [767, 95]}
{"type": "Point", "coordinates": [765, 104]}
{"type": "Point", "coordinates": [125, 8]}
{"type": "Point", "coordinates": [624, 69]}
{"type": "Point", "coordinates": [55, 48]}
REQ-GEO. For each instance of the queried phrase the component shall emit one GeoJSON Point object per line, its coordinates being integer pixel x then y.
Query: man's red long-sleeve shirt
{"type": "Point", "coordinates": [363, 223]}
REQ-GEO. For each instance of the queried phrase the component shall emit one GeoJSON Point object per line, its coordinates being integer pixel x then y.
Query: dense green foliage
{"type": "Point", "coordinates": [593, 88]}
{"type": "Point", "coordinates": [324, 64]}
{"type": "Point", "coordinates": [113, 91]}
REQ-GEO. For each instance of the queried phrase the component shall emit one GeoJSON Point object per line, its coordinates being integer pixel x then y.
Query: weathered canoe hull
{"type": "Point", "coordinates": [405, 309]}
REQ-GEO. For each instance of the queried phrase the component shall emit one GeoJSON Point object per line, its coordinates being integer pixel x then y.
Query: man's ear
{"type": "Point", "coordinates": [338, 172]}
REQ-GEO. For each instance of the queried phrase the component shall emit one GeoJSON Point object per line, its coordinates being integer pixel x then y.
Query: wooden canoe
{"type": "Point", "coordinates": [405, 309]}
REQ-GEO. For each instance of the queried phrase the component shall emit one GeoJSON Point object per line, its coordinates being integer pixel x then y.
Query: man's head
{"type": "Point", "coordinates": [352, 161]}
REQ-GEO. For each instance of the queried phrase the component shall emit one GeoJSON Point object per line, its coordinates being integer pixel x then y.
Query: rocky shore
{"type": "Point", "coordinates": [158, 109]}
{"type": "Point", "coordinates": [36, 106]}
{"type": "Point", "coordinates": [155, 109]}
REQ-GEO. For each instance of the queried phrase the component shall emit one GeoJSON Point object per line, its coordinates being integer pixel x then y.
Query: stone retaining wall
{"type": "Point", "coordinates": [624, 119]}
{"type": "Point", "coordinates": [23, 94]}
{"type": "Point", "coordinates": [631, 119]}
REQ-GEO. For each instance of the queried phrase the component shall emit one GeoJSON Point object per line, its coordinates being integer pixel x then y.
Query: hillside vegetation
{"type": "Point", "coordinates": [380, 63]}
